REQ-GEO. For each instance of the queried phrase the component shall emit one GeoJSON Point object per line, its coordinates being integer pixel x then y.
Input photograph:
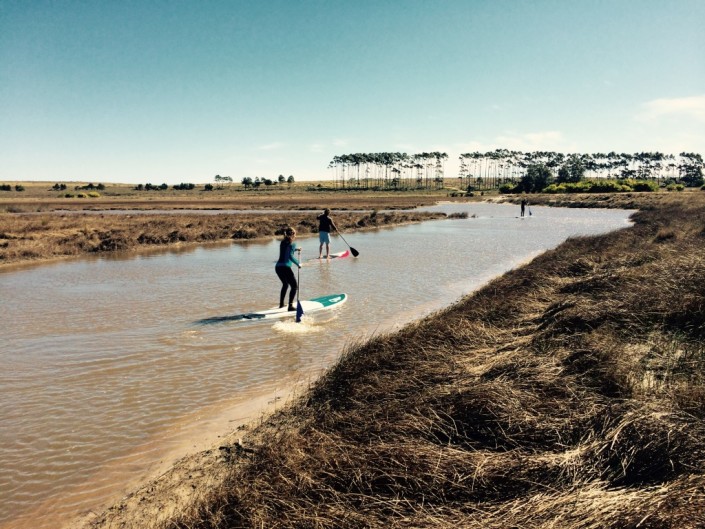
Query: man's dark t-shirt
{"type": "Point", "coordinates": [324, 223]}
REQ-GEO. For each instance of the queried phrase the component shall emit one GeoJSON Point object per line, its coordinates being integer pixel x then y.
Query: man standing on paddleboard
{"type": "Point", "coordinates": [287, 259]}
{"type": "Point", "coordinates": [325, 225]}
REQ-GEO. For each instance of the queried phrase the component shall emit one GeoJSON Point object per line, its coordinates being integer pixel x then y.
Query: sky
{"type": "Point", "coordinates": [141, 91]}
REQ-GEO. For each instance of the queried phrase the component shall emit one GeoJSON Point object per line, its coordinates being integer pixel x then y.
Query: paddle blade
{"type": "Point", "coordinates": [299, 312]}
{"type": "Point", "coordinates": [354, 252]}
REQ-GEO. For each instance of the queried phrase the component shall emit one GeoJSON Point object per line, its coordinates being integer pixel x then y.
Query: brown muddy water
{"type": "Point", "coordinates": [107, 377]}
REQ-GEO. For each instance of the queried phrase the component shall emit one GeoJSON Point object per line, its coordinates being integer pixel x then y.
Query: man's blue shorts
{"type": "Point", "coordinates": [324, 237]}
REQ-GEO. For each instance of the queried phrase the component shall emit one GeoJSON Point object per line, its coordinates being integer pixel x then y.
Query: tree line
{"type": "Point", "coordinates": [490, 170]}
{"type": "Point", "coordinates": [281, 179]}
{"type": "Point", "coordinates": [389, 170]}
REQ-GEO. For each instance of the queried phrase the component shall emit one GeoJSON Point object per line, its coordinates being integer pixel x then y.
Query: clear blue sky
{"type": "Point", "coordinates": [179, 91]}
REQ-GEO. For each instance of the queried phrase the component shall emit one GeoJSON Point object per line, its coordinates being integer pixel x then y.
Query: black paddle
{"type": "Point", "coordinates": [352, 250]}
{"type": "Point", "coordinates": [299, 308]}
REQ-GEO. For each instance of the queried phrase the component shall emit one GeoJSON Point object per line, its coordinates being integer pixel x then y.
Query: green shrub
{"type": "Point", "coordinates": [94, 194]}
{"type": "Point", "coordinates": [644, 185]}
{"type": "Point", "coordinates": [81, 195]}
{"type": "Point", "coordinates": [608, 186]}
{"type": "Point", "coordinates": [507, 188]}
{"type": "Point", "coordinates": [68, 195]}
{"type": "Point", "coordinates": [584, 186]}
{"type": "Point", "coordinates": [569, 187]}
{"type": "Point", "coordinates": [554, 188]}
{"type": "Point", "coordinates": [675, 187]}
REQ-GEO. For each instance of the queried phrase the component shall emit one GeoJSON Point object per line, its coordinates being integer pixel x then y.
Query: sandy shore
{"type": "Point", "coordinates": [196, 464]}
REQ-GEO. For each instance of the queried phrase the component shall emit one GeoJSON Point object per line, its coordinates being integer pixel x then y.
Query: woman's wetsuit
{"type": "Point", "coordinates": [287, 259]}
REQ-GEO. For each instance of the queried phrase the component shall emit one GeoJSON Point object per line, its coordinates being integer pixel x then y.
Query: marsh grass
{"type": "Point", "coordinates": [568, 393]}
{"type": "Point", "coordinates": [26, 238]}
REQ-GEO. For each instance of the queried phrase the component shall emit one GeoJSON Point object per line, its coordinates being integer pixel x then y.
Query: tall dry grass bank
{"type": "Point", "coordinates": [35, 237]}
{"type": "Point", "coordinates": [569, 393]}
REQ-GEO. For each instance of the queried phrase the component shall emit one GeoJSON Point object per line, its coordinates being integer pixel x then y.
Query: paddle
{"type": "Point", "coordinates": [299, 308]}
{"type": "Point", "coordinates": [352, 250]}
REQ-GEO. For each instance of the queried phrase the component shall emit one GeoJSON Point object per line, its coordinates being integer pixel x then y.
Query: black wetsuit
{"type": "Point", "coordinates": [287, 251]}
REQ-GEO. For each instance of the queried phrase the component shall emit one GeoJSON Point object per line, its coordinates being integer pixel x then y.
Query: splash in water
{"type": "Point", "coordinates": [305, 326]}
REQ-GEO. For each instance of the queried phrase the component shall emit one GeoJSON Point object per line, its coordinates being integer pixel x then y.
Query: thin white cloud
{"type": "Point", "coordinates": [405, 147]}
{"type": "Point", "coordinates": [471, 146]}
{"type": "Point", "coordinates": [679, 107]}
{"type": "Point", "coordinates": [550, 140]}
{"type": "Point", "coordinates": [532, 140]}
{"type": "Point", "coordinates": [271, 146]}
{"type": "Point", "coordinates": [322, 146]}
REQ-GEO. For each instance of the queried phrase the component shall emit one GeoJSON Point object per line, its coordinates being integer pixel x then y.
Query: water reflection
{"type": "Point", "coordinates": [102, 361]}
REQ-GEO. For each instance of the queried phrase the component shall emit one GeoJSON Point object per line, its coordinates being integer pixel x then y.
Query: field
{"type": "Point", "coordinates": [40, 196]}
{"type": "Point", "coordinates": [36, 226]}
{"type": "Point", "coordinates": [567, 393]}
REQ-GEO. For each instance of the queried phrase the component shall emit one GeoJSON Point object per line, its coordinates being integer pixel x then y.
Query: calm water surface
{"type": "Point", "coordinates": [105, 372]}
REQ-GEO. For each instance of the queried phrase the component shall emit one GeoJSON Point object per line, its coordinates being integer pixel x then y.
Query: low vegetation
{"type": "Point", "coordinates": [626, 200]}
{"type": "Point", "coordinates": [33, 237]}
{"type": "Point", "coordinates": [45, 197]}
{"type": "Point", "coordinates": [567, 393]}
{"type": "Point", "coordinates": [602, 186]}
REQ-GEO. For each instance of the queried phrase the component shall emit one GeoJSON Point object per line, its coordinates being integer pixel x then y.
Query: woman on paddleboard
{"type": "Point", "coordinates": [287, 259]}
{"type": "Point", "coordinates": [325, 225]}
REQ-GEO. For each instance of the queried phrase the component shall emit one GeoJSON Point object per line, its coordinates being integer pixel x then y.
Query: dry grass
{"type": "Point", "coordinates": [566, 394]}
{"type": "Point", "coordinates": [39, 197]}
{"type": "Point", "coordinates": [28, 238]}
{"type": "Point", "coordinates": [635, 200]}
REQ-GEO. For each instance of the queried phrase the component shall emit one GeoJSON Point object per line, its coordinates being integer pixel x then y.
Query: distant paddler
{"type": "Point", "coordinates": [325, 226]}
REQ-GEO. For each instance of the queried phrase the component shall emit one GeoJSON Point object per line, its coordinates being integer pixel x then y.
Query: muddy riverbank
{"type": "Point", "coordinates": [569, 392]}
{"type": "Point", "coordinates": [42, 237]}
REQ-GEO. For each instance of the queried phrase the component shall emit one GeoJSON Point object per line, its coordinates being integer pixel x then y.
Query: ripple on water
{"type": "Point", "coordinates": [104, 368]}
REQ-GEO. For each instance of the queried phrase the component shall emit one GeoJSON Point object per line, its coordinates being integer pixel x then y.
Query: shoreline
{"type": "Point", "coordinates": [194, 443]}
{"type": "Point", "coordinates": [213, 467]}
{"type": "Point", "coordinates": [196, 461]}
{"type": "Point", "coordinates": [40, 239]}
{"type": "Point", "coordinates": [492, 361]}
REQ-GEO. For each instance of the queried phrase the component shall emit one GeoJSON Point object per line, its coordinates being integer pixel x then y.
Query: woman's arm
{"type": "Point", "coordinates": [294, 249]}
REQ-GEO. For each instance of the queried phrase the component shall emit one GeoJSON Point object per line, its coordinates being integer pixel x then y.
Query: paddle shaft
{"type": "Point", "coordinates": [298, 276]}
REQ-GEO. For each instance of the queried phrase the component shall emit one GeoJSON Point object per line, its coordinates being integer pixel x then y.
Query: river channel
{"type": "Point", "coordinates": [107, 376]}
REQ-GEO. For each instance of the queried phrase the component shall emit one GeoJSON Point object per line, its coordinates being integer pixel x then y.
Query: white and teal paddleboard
{"type": "Point", "coordinates": [309, 306]}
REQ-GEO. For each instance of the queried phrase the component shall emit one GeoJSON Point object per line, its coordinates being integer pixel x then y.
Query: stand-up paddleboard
{"type": "Point", "coordinates": [339, 255]}
{"type": "Point", "coordinates": [310, 306]}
